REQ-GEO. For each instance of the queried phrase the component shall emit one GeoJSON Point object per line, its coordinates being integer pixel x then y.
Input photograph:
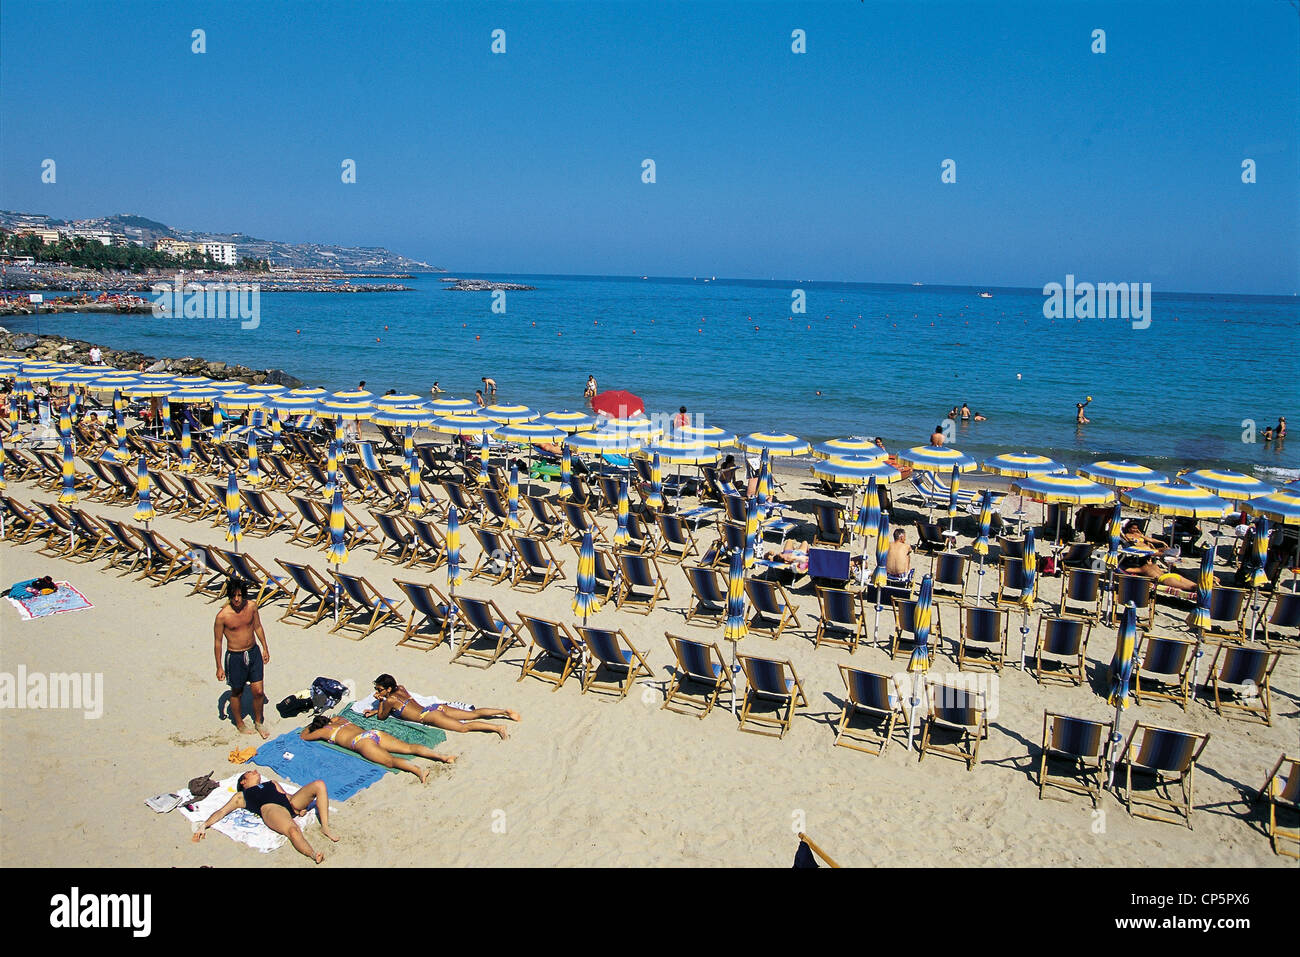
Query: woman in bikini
{"type": "Point", "coordinates": [277, 809]}
{"type": "Point", "coordinates": [375, 745]}
{"type": "Point", "coordinates": [394, 699]}
{"type": "Point", "coordinates": [1150, 568]}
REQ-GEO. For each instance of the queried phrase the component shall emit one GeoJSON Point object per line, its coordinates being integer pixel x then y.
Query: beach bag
{"type": "Point", "coordinates": [326, 693]}
{"type": "Point", "coordinates": [1048, 567]}
{"type": "Point", "coordinates": [293, 706]}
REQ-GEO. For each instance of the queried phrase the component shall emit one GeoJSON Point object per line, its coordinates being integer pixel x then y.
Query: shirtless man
{"type": "Point", "coordinates": [237, 623]}
{"type": "Point", "coordinates": [489, 385]}
{"type": "Point", "coordinates": [898, 561]}
{"type": "Point", "coordinates": [936, 437]}
{"type": "Point", "coordinates": [1079, 417]}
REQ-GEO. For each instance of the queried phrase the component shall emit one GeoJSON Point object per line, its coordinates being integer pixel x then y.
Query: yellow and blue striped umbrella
{"type": "Point", "coordinates": [919, 663]}
{"type": "Point", "coordinates": [15, 404]}
{"type": "Point", "coordinates": [736, 626]}
{"type": "Point", "coordinates": [332, 467]}
{"type": "Point", "coordinates": [1116, 537]}
{"type": "Point", "coordinates": [569, 421]}
{"type": "Point", "coordinates": [338, 550]}
{"type": "Point", "coordinates": [681, 452]}
{"type": "Point", "coordinates": [880, 577]}
{"type": "Point", "coordinates": [1121, 665]}
{"type": "Point", "coordinates": [1022, 465]}
{"type": "Point", "coordinates": [414, 504]}
{"type": "Point", "coordinates": [954, 490]}
{"type": "Point", "coordinates": [656, 497]}
{"type": "Point", "coordinates": [195, 395]}
{"type": "Point", "coordinates": [584, 599]}
{"type": "Point", "coordinates": [466, 424]}
{"type": "Point", "coordinates": [1030, 564]}
{"type": "Point", "coordinates": [254, 476]}
{"type": "Point", "coordinates": [1228, 484]}
{"type": "Point", "coordinates": [637, 427]}
{"type": "Point", "coordinates": [605, 439]}
{"type": "Point", "coordinates": [708, 434]}
{"type": "Point", "coordinates": [1186, 500]}
{"type": "Point", "coordinates": [144, 511]}
{"type": "Point", "coordinates": [65, 422]}
{"type": "Point", "coordinates": [566, 472]}
{"type": "Point", "coordinates": [188, 381]}
{"type": "Point", "coordinates": [862, 525]}
{"type": "Point", "coordinates": [981, 546]}
{"type": "Point", "coordinates": [277, 431]}
{"type": "Point", "coordinates": [1123, 474]}
{"type": "Point", "coordinates": [400, 400]}
{"type": "Point", "coordinates": [1259, 575]}
{"type": "Point", "coordinates": [1282, 506]}
{"type": "Point", "coordinates": [240, 399]}
{"type": "Point", "coordinates": [873, 507]}
{"type": "Point", "coordinates": [509, 414]}
{"type": "Point", "coordinates": [856, 448]}
{"type": "Point", "coordinates": [937, 458]}
{"type": "Point", "coordinates": [621, 534]}
{"type": "Point", "coordinates": [764, 490]}
{"type": "Point", "coordinates": [751, 531]}
{"type": "Point", "coordinates": [777, 443]}
{"type": "Point", "coordinates": [408, 441]}
{"type": "Point", "coordinates": [119, 417]}
{"type": "Point", "coordinates": [164, 409]}
{"type": "Point", "coordinates": [291, 404]}
{"type": "Point", "coordinates": [405, 416]}
{"type": "Point", "coordinates": [234, 505]}
{"type": "Point", "coordinates": [73, 401]}
{"type": "Point", "coordinates": [187, 447]}
{"type": "Point", "coordinates": [453, 547]}
{"type": "Point", "coordinates": [1063, 489]}
{"type": "Point", "coordinates": [450, 406]}
{"type": "Point", "coordinates": [350, 395]}
{"type": "Point", "coordinates": [530, 433]}
{"type": "Point", "coordinates": [484, 451]}
{"type": "Point", "coordinates": [69, 493]}
{"type": "Point", "coordinates": [512, 498]}
{"type": "Point", "coordinates": [1204, 586]}
{"type": "Point", "coordinates": [218, 423]}
{"type": "Point", "coordinates": [853, 470]}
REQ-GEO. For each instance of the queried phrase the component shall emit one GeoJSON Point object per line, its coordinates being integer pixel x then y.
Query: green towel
{"type": "Point", "coordinates": [426, 735]}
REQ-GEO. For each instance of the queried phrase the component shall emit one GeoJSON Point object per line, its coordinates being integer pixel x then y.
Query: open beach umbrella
{"type": "Point", "coordinates": [277, 432]}
{"type": "Point", "coordinates": [69, 493]}
{"type": "Point", "coordinates": [855, 470]}
{"type": "Point", "coordinates": [751, 531]}
{"type": "Point", "coordinates": [655, 499]}
{"type": "Point", "coordinates": [621, 534]}
{"type": "Point", "coordinates": [512, 498]}
{"type": "Point", "coordinates": [617, 404]}
{"type": "Point", "coordinates": [463, 424]}
{"type": "Point", "coordinates": [254, 476]}
{"type": "Point", "coordinates": [954, 488]}
{"type": "Point", "coordinates": [603, 440]}
{"type": "Point", "coordinates": [1225, 483]}
{"type": "Point", "coordinates": [777, 443]}
{"type": "Point", "coordinates": [399, 400]}
{"type": "Point", "coordinates": [673, 451]}
{"type": "Point", "coordinates": [1280, 506]}
{"type": "Point", "coordinates": [351, 395]}
{"type": "Point", "coordinates": [566, 472]}
{"type": "Point", "coordinates": [484, 458]}
{"type": "Point", "coordinates": [332, 467]}
{"type": "Point", "coordinates": [880, 577]}
{"type": "Point", "coordinates": [919, 663]}
{"type": "Point", "coordinates": [1030, 565]}
{"type": "Point", "coordinates": [937, 458]}
{"type": "Point", "coordinates": [290, 404]}
{"type": "Point", "coordinates": [241, 399]}
{"type": "Point", "coordinates": [218, 423]}
{"type": "Point", "coordinates": [1122, 474]}
{"type": "Point", "coordinates": [1167, 499]}
{"type": "Point", "coordinates": [187, 447]}
{"type": "Point", "coordinates": [509, 414]}
{"type": "Point", "coordinates": [531, 433]}
{"type": "Point", "coordinates": [450, 406]}
{"type": "Point", "coordinates": [569, 421]}
{"type": "Point", "coordinates": [234, 530]}
{"type": "Point", "coordinates": [413, 503]}
{"type": "Point", "coordinates": [708, 434]}
{"type": "Point", "coordinates": [144, 511]}
{"type": "Point", "coordinates": [856, 447]}
{"type": "Point", "coordinates": [764, 489]}
{"type": "Point", "coordinates": [405, 416]}
{"type": "Point", "coordinates": [981, 546]}
{"type": "Point", "coordinates": [1062, 490]}
{"type": "Point", "coordinates": [585, 601]}
{"type": "Point", "coordinates": [453, 548]}
{"type": "Point", "coordinates": [637, 427]}
{"type": "Point", "coordinates": [1022, 465]}
{"type": "Point", "coordinates": [1121, 672]}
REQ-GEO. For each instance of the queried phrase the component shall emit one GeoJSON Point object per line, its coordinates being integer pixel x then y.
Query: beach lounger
{"type": "Point", "coordinates": [935, 493]}
{"type": "Point", "coordinates": [358, 479]}
{"type": "Point", "coordinates": [773, 608]}
{"type": "Point", "coordinates": [366, 453]}
{"type": "Point", "coordinates": [265, 584]}
{"type": "Point", "coordinates": [905, 627]}
{"type": "Point", "coordinates": [23, 523]}
{"type": "Point", "coordinates": [1282, 789]}
{"type": "Point", "coordinates": [280, 473]}
{"type": "Point", "coordinates": [434, 461]}
{"type": "Point", "coordinates": [841, 621]}
{"type": "Point", "coordinates": [429, 608]}
{"type": "Point", "coordinates": [831, 528]}
{"type": "Point", "coordinates": [983, 638]}
{"type": "Point", "coordinates": [428, 544]}
{"type": "Point", "coordinates": [1228, 607]}
{"type": "Point", "coordinates": [551, 641]}
{"type": "Point", "coordinates": [676, 543]}
{"type": "Point", "coordinates": [611, 651]}
{"type": "Point", "coordinates": [484, 622]}
{"type": "Point", "coordinates": [1082, 742]}
{"type": "Point", "coordinates": [1162, 669]}
{"type": "Point", "coordinates": [1285, 613]}
{"type": "Point", "coordinates": [1169, 756]}
{"type": "Point", "coordinates": [708, 594]}
{"type": "Point", "coordinates": [731, 539]}
{"type": "Point", "coordinates": [312, 597]}
{"type": "Point", "coordinates": [1078, 556]}
{"type": "Point", "coordinates": [536, 565]}
{"type": "Point", "coordinates": [1059, 649]}
{"type": "Point", "coordinates": [1081, 594]}
{"type": "Point", "coordinates": [318, 477]}
{"type": "Point", "coordinates": [496, 558]}
{"type": "Point", "coordinates": [542, 521]}
{"type": "Point", "coordinates": [956, 710]}
{"type": "Point", "coordinates": [208, 560]}
{"type": "Point", "coordinates": [641, 583]}
{"type": "Point", "coordinates": [1011, 547]}
{"type": "Point", "coordinates": [202, 503]}
{"type": "Point", "coordinates": [1137, 590]}
{"type": "Point", "coordinates": [770, 680]}
{"type": "Point", "coordinates": [1240, 680]}
{"type": "Point", "coordinates": [361, 607]}
{"type": "Point", "coordinates": [397, 540]}
{"type": "Point", "coordinates": [697, 664]}
{"type": "Point", "coordinates": [949, 571]}
{"type": "Point", "coordinates": [607, 572]}
{"type": "Point", "coordinates": [578, 519]}
{"type": "Point", "coordinates": [163, 560]}
{"type": "Point", "coordinates": [1011, 583]}
{"type": "Point", "coordinates": [878, 697]}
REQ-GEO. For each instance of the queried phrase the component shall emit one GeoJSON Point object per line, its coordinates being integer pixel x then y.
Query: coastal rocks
{"type": "Point", "coordinates": [481, 285]}
{"type": "Point", "coordinates": [22, 343]}
{"type": "Point", "coordinates": [280, 377]}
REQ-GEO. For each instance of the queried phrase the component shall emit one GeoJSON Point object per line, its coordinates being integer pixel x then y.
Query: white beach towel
{"type": "Point", "coordinates": [242, 825]}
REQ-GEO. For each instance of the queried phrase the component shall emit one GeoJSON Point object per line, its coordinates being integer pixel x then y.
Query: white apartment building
{"type": "Point", "coordinates": [223, 253]}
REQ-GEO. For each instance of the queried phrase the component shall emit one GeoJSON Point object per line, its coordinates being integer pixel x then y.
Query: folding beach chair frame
{"type": "Point", "coordinates": [675, 550]}
{"type": "Point", "coordinates": [1072, 574]}
{"type": "Point", "coordinates": [793, 699]}
{"type": "Point", "coordinates": [625, 596]}
{"type": "Point", "coordinates": [412, 637]}
{"type": "Point", "coordinates": [936, 626]}
{"type": "Point", "coordinates": [322, 589]}
{"type": "Point", "coordinates": [846, 736]}
{"type": "Point", "coordinates": [682, 675]}
{"type": "Point", "coordinates": [634, 668]}
{"type": "Point", "coordinates": [1087, 765]}
{"type": "Point", "coordinates": [1072, 669]}
{"type": "Point", "coordinates": [532, 662]}
{"type": "Point", "coordinates": [759, 622]}
{"type": "Point", "coordinates": [506, 636]}
{"type": "Point", "coordinates": [1158, 685]}
{"type": "Point", "coordinates": [997, 650]}
{"type": "Point", "coordinates": [715, 605]}
{"type": "Point", "coordinates": [828, 629]}
{"type": "Point", "coordinates": [935, 719]}
{"type": "Point", "coordinates": [1182, 777]}
{"type": "Point", "coordinates": [213, 565]}
{"type": "Point", "coordinates": [243, 565]}
{"type": "Point", "coordinates": [1288, 795]}
{"type": "Point", "coordinates": [1225, 693]}
{"type": "Point", "coordinates": [352, 606]}
{"type": "Point", "coordinates": [527, 576]}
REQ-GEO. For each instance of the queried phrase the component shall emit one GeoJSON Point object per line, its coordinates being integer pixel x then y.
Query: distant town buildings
{"type": "Point", "coordinates": [223, 253]}
{"type": "Point", "coordinates": [177, 247]}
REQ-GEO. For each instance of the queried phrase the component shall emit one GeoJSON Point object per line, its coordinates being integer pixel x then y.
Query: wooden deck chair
{"type": "Point", "coordinates": [208, 562]}
{"type": "Point", "coordinates": [1011, 582]}
{"type": "Point", "coordinates": [708, 596]}
{"type": "Point", "coordinates": [60, 538]}
{"type": "Point", "coordinates": [542, 521]}
{"type": "Point", "coordinates": [959, 710]}
{"type": "Point", "coordinates": [460, 495]}
{"type": "Point", "coordinates": [641, 539]}
{"type": "Point", "coordinates": [312, 597]}
{"type": "Point", "coordinates": [267, 585]}
{"type": "Point", "coordinates": [773, 607]}
{"type": "Point", "coordinates": [357, 533]}
{"type": "Point", "coordinates": [1239, 680]}
{"type": "Point", "coordinates": [929, 536]}
{"type": "Point", "coordinates": [1138, 590]}
{"type": "Point", "coordinates": [676, 542]}
{"type": "Point", "coordinates": [1162, 669]}
{"type": "Point", "coordinates": [842, 621]}
{"type": "Point", "coordinates": [313, 521]}
{"type": "Point", "coordinates": [280, 473]}
{"type": "Point", "coordinates": [1059, 649]}
{"type": "Point", "coordinates": [697, 664]}
{"type": "Point", "coordinates": [200, 504]}
{"type": "Point", "coordinates": [24, 523]}
{"type": "Point", "coordinates": [949, 576]}
{"type": "Point", "coordinates": [608, 487]}
{"type": "Point", "coordinates": [1228, 607]}
{"type": "Point", "coordinates": [831, 529]}
{"type": "Point", "coordinates": [163, 561]}
{"type": "Point", "coordinates": [428, 544]}
{"type": "Point", "coordinates": [640, 583]}
{"type": "Point", "coordinates": [775, 681]}
{"type": "Point", "coordinates": [983, 638]}
{"type": "Point", "coordinates": [808, 854]}
{"type": "Point", "coordinates": [396, 537]}
{"type": "Point", "coordinates": [484, 622]}
{"type": "Point", "coordinates": [874, 695]}
{"type": "Point", "coordinates": [130, 545]}
{"type": "Point", "coordinates": [607, 572]}
{"type": "Point", "coordinates": [494, 512]}
{"type": "Point", "coordinates": [317, 475]}
{"type": "Point", "coordinates": [361, 607]}
{"type": "Point", "coordinates": [536, 565]}
{"type": "Point", "coordinates": [429, 608]}
{"type": "Point", "coordinates": [1170, 757]}
{"type": "Point", "coordinates": [1083, 743]}
{"type": "Point", "coordinates": [1081, 594]}
{"type": "Point", "coordinates": [1011, 547]}
{"type": "Point", "coordinates": [1282, 789]}
{"type": "Point", "coordinates": [265, 516]}
{"type": "Point", "coordinates": [94, 540]}
{"type": "Point", "coordinates": [1285, 613]}
{"type": "Point", "coordinates": [578, 519]}
{"type": "Point", "coordinates": [612, 651]}
{"type": "Point", "coordinates": [731, 539]}
{"type": "Point", "coordinates": [496, 558]}
{"type": "Point", "coordinates": [905, 625]}
{"type": "Point", "coordinates": [551, 642]}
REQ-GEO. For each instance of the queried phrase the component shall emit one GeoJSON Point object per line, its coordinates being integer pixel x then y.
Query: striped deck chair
{"type": "Point", "coordinates": [208, 562]}
{"type": "Point", "coordinates": [312, 597]}
{"type": "Point", "coordinates": [1169, 756]}
{"type": "Point", "coordinates": [94, 540]}
{"type": "Point", "coordinates": [608, 486]}
{"type": "Point", "coordinates": [731, 539]}
{"type": "Point", "coordinates": [642, 540]}
{"type": "Point", "coordinates": [641, 583]}
{"type": "Point", "coordinates": [1240, 677]}
{"type": "Point", "coordinates": [108, 489]}
{"type": "Point", "coordinates": [959, 711]}
{"type": "Point", "coordinates": [905, 627]}
{"type": "Point", "coordinates": [1138, 590]}
{"type": "Point", "coordinates": [434, 460]}
{"type": "Point", "coordinates": [397, 540]}
{"type": "Point", "coordinates": [428, 544]}
{"type": "Point", "coordinates": [1059, 649]}
{"type": "Point", "coordinates": [59, 538]}
{"type": "Point", "coordinates": [872, 694]}
{"type": "Point", "coordinates": [313, 521]}
{"type": "Point", "coordinates": [578, 519]}
{"type": "Point", "coordinates": [366, 453]}
{"type": "Point", "coordinates": [773, 607]}
{"type": "Point", "coordinates": [607, 572]}
{"type": "Point", "coordinates": [770, 681]}
{"type": "Point", "coordinates": [359, 480]}
{"type": "Point", "coordinates": [166, 496]}
{"type": "Point", "coordinates": [543, 522]}
{"type": "Point", "coordinates": [493, 512]}
{"type": "Point", "coordinates": [551, 641]}
{"type": "Point", "coordinates": [226, 460]}
{"type": "Point", "coordinates": [201, 502]}
{"type": "Point", "coordinates": [268, 585]}
{"type": "Point", "coordinates": [831, 529]}
{"type": "Point", "coordinates": [611, 651]}
{"type": "Point", "coordinates": [536, 565]}
{"type": "Point", "coordinates": [130, 544]}
{"type": "Point", "coordinates": [983, 638]}
{"type": "Point", "coordinates": [697, 664]}
{"type": "Point", "coordinates": [361, 607]}
{"type": "Point", "coordinates": [460, 496]}
{"type": "Point", "coordinates": [930, 537]}
{"type": "Point", "coordinates": [24, 524]}
{"type": "Point", "coordinates": [496, 558]}
{"type": "Point", "coordinates": [21, 466]}
{"type": "Point", "coordinates": [676, 541]}
{"type": "Point", "coordinates": [430, 609]}
{"type": "Point", "coordinates": [1011, 582]}
{"type": "Point", "coordinates": [318, 476]}
{"type": "Point", "coordinates": [949, 571]}
{"type": "Point", "coordinates": [935, 493]}
{"type": "Point", "coordinates": [396, 494]}
{"type": "Point", "coordinates": [265, 517]}
{"type": "Point", "coordinates": [1082, 586]}
{"type": "Point", "coordinates": [391, 439]}
{"type": "Point", "coordinates": [1228, 607]}
{"type": "Point", "coordinates": [841, 621]}
{"type": "Point", "coordinates": [163, 560]}
{"type": "Point", "coordinates": [1162, 669]}
{"type": "Point", "coordinates": [1082, 742]}
{"type": "Point", "coordinates": [484, 622]}
{"type": "Point", "coordinates": [708, 595]}
{"type": "Point", "coordinates": [358, 533]}
{"type": "Point", "coordinates": [582, 495]}
{"type": "Point", "coordinates": [1282, 788]}
{"type": "Point", "coordinates": [1285, 613]}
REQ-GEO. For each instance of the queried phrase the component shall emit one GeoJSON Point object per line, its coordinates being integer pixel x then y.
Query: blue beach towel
{"type": "Point", "coordinates": [344, 773]}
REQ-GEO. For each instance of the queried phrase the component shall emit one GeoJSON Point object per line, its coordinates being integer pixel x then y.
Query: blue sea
{"type": "Point", "coordinates": [864, 359]}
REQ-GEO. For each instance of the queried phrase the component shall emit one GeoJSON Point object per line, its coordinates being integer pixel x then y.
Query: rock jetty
{"type": "Point", "coordinates": [480, 285]}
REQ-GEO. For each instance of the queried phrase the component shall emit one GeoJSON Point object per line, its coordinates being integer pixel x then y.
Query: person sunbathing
{"type": "Point", "coordinates": [1134, 538]}
{"type": "Point", "coordinates": [394, 699]}
{"type": "Point", "coordinates": [1150, 568]}
{"type": "Point", "coordinates": [792, 555]}
{"type": "Point", "coordinates": [376, 746]}
{"type": "Point", "coordinates": [277, 809]}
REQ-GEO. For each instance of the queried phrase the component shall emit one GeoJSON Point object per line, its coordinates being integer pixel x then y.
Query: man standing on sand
{"type": "Point", "coordinates": [238, 622]}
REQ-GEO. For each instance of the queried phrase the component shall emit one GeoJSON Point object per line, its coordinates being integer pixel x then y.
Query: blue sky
{"type": "Point", "coordinates": [1122, 166]}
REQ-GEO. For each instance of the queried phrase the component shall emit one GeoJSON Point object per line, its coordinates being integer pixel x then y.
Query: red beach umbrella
{"type": "Point", "coordinates": [618, 404]}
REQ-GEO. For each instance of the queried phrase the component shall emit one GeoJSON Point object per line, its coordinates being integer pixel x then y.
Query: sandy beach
{"type": "Point", "coordinates": [583, 779]}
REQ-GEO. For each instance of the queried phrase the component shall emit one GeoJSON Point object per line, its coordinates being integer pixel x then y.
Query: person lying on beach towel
{"type": "Point", "coordinates": [394, 699]}
{"type": "Point", "coordinates": [376, 746]}
{"type": "Point", "coordinates": [277, 810]}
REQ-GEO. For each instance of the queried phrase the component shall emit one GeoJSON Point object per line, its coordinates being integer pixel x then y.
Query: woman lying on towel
{"type": "Point", "coordinates": [396, 700]}
{"type": "Point", "coordinates": [374, 746]}
{"type": "Point", "coordinates": [277, 809]}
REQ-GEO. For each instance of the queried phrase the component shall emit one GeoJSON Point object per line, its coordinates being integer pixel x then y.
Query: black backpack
{"type": "Point", "coordinates": [326, 693]}
{"type": "Point", "coordinates": [293, 706]}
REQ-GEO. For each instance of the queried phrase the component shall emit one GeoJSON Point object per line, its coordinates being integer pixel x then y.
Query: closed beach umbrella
{"type": "Point", "coordinates": [1021, 465]}
{"type": "Point", "coordinates": [1030, 565]}
{"type": "Point", "coordinates": [164, 410]}
{"type": "Point", "coordinates": [277, 432]}
{"type": "Point", "coordinates": [1116, 534]}
{"type": "Point", "coordinates": [736, 627]}
{"type": "Point", "coordinates": [144, 511]}
{"type": "Point", "coordinates": [3, 483]}
{"type": "Point", "coordinates": [938, 458]}
{"type": "Point", "coordinates": [453, 547]}
{"type": "Point", "coordinates": [187, 447]}
{"type": "Point", "coordinates": [1228, 484]}
{"type": "Point", "coordinates": [777, 443]}
{"type": "Point", "coordinates": [569, 421]}
{"type": "Point", "coordinates": [119, 415]}
{"type": "Point", "coordinates": [858, 448]}
{"type": "Point", "coordinates": [981, 546]}
{"type": "Point", "coordinates": [584, 600]}
{"type": "Point", "coordinates": [69, 493]}
{"type": "Point", "coordinates": [234, 531]}
{"type": "Point", "coordinates": [338, 550]}
{"type": "Point", "coordinates": [73, 401]}
{"type": "Point", "coordinates": [1258, 575]}
{"type": "Point", "coordinates": [414, 505]}
{"type": "Point", "coordinates": [751, 531]}
{"type": "Point", "coordinates": [621, 534]}
{"type": "Point", "coordinates": [332, 467]}
{"type": "Point", "coordinates": [484, 451]}
{"type": "Point", "coordinates": [764, 489]}
{"type": "Point", "coordinates": [254, 476]}
{"type": "Point", "coordinates": [862, 524]}
{"type": "Point", "coordinates": [656, 497]}
{"type": "Point", "coordinates": [1121, 672]}
{"type": "Point", "coordinates": [954, 489]}
{"type": "Point", "coordinates": [566, 472]}
{"type": "Point", "coordinates": [218, 424]}
{"type": "Point", "coordinates": [872, 501]}
{"type": "Point", "coordinates": [1122, 474]}
{"type": "Point", "coordinates": [919, 663]}
{"type": "Point", "coordinates": [408, 441]}
{"type": "Point", "coordinates": [512, 498]}
{"type": "Point", "coordinates": [880, 577]}
{"type": "Point", "coordinates": [1200, 620]}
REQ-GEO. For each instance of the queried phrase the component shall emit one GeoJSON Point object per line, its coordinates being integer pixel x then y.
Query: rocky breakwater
{"type": "Point", "coordinates": [61, 349]}
{"type": "Point", "coordinates": [481, 285]}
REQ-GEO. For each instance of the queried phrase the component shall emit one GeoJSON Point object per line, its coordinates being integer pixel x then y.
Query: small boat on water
{"type": "Point", "coordinates": [986, 295]}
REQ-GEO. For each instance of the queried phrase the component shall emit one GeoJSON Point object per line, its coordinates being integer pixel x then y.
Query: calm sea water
{"type": "Point", "coordinates": [863, 360]}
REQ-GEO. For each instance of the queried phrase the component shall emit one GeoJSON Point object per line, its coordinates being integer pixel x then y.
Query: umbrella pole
{"type": "Point", "coordinates": [1115, 740]}
{"type": "Point", "coordinates": [979, 582]}
{"type": "Point", "coordinates": [915, 702]}
{"type": "Point", "coordinates": [1024, 635]}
